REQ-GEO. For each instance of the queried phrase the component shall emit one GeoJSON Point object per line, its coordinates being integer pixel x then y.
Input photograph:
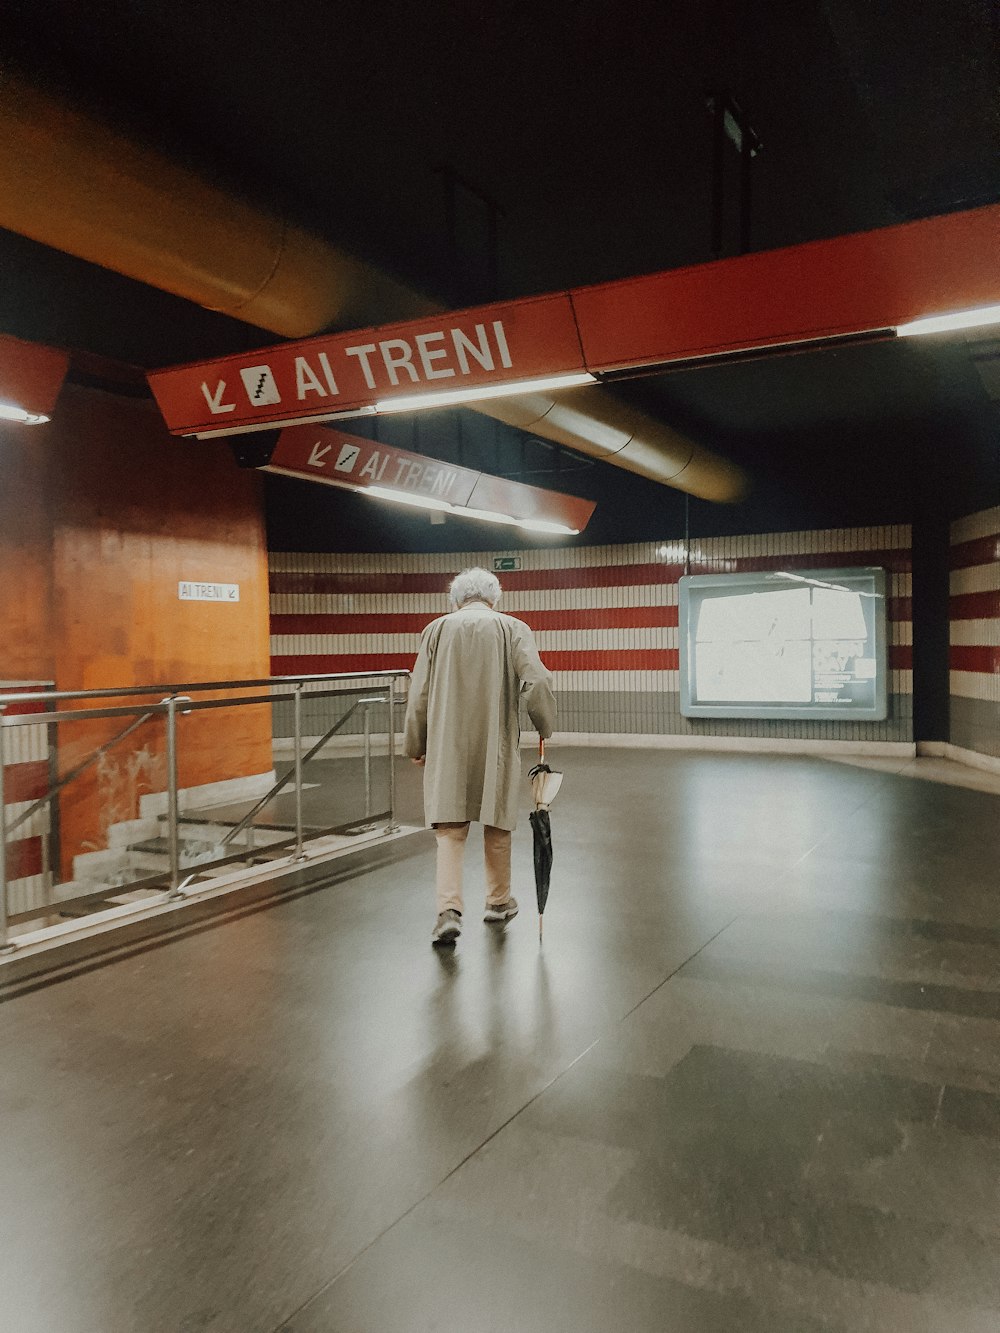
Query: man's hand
{"type": "Point", "coordinates": [421, 761]}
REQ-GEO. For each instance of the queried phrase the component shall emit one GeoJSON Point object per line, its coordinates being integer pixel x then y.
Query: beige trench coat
{"type": "Point", "coordinates": [472, 669]}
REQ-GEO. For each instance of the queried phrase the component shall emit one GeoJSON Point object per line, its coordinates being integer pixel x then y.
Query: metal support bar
{"type": "Point", "coordinates": [5, 944]}
{"type": "Point", "coordinates": [368, 761]}
{"type": "Point", "coordinates": [297, 705]}
{"type": "Point", "coordinates": [718, 108]}
{"type": "Point", "coordinates": [173, 814]}
{"type": "Point", "coordinates": [80, 768]}
{"type": "Point", "coordinates": [747, 148]}
{"type": "Point", "coordinates": [493, 253]}
{"type": "Point", "coordinates": [283, 782]}
{"type": "Point", "coordinates": [392, 826]}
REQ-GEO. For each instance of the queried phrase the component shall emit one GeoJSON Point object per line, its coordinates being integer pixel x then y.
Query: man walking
{"type": "Point", "coordinates": [474, 667]}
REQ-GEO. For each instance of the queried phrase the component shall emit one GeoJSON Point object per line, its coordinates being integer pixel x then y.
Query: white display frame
{"type": "Point", "coordinates": [869, 704]}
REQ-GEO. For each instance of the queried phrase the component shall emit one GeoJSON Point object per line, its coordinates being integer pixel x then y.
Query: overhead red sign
{"type": "Point", "coordinates": [863, 285]}
{"type": "Point", "coordinates": [338, 459]}
{"type": "Point", "coordinates": [829, 289]}
{"type": "Point", "coordinates": [30, 375]}
{"type": "Point", "coordinates": [350, 372]}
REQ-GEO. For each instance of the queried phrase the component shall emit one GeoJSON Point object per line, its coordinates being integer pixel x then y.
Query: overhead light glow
{"type": "Point", "coordinates": [9, 412]}
{"type": "Point", "coordinates": [414, 402]}
{"type": "Point", "coordinates": [529, 524]}
{"type": "Point", "coordinates": [542, 525]}
{"type": "Point", "coordinates": [405, 498]}
{"type": "Point", "coordinates": [959, 319]}
{"type": "Point", "coordinates": [485, 515]}
{"type": "Point", "coordinates": [820, 583]}
{"type": "Point", "coordinates": [460, 511]}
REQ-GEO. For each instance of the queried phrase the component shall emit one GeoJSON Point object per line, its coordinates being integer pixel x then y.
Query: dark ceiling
{"type": "Point", "coordinates": [586, 126]}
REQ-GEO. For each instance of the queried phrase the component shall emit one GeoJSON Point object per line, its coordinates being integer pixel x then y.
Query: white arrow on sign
{"type": "Point", "coordinates": [319, 453]}
{"type": "Point", "coordinates": [214, 400]}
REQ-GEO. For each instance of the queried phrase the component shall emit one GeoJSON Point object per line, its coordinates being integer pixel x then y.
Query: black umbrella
{"type": "Point", "coordinates": [545, 782]}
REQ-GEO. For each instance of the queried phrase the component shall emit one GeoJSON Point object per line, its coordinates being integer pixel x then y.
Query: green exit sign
{"type": "Point", "coordinates": [502, 562]}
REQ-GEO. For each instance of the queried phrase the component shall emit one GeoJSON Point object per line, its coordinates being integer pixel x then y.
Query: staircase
{"type": "Point", "coordinates": [139, 849]}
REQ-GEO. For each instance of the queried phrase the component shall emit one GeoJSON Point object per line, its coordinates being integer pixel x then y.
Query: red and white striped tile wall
{"type": "Point", "coordinates": [974, 655]}
{"type": "Point", "coordinates": [26, 779]}
{"type": "Point", "coordinates": [605, 617]}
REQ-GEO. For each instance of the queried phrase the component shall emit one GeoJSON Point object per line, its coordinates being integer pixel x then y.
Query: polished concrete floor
{"type": "Point", "coordinates": [750, 1082]}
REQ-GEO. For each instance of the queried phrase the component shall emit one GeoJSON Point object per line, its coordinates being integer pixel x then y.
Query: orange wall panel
{"type": "Point", "coordinates": [26, 644]}
{"type": "Point", "coordinates": [102, 514]}
{"type": "Point", "coordinates": [136, 514]}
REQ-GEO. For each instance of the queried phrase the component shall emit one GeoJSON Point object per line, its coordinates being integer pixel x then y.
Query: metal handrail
{"type": "Point", "coordinates": [129, 691]}
{"type": "Point", "coordinates": [190, 705]}
{"type": "Point", "coordinates": [283, 782]}
{"type": "Point", "coordinates": [281, 689]}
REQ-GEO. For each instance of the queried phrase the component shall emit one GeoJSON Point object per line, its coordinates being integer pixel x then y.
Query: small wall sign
{"type": "Point", "coordinates": [502, 562]}
{"type": "Point", "coordinates": [208, 592]}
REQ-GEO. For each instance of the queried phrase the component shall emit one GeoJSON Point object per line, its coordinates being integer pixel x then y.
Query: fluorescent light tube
{"type": "Point", "coordinates": [276, 425]}
{"type": "Point", "coordinates": [542, 525]}
{"type": "Point", "coordinates": [404, 498]}
{"type": "Point", "coordinates": [529, 524]}
{"type": "Point", "coordinates": [414, 402]}
{"type": "Point", "coordinates": [9, 412]}
{"type": "Point", "coordinates": [460, 511]}
{"type": "Point", "coordinates": [959, 319]}
{"type": "Point", "coordinates": [486, 515]}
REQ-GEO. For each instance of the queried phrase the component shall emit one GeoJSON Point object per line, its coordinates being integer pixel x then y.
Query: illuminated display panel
{"type": "Point", "coordinates": [794, 644]}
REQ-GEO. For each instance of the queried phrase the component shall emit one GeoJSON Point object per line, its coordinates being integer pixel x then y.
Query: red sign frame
{"type": "Point", "coordinates": [31, 375]}
{"type": "Point", "coordinates": [335, 458]}
{"type": "Point", "coordinates": [862, 285]}
{"type": "Point", "coordinates": [344, 374]}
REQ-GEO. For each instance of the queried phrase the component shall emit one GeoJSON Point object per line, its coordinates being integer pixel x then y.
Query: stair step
{"type": "Point", "coordinates": [161, 846]}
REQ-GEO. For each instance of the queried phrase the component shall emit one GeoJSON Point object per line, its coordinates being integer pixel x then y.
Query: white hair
{"type": "Point", "coordinates": [473, 584]}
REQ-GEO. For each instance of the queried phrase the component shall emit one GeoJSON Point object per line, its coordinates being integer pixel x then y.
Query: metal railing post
{"type": "Point", "coordinates": [368, 761]}
{"type": "Point", "coordinates": [297, 704]}
{"type": "Point", "coordinates": [392, 826]}
{"type": "Point", "coordinates": [173, 813]}
{"type": "Point", "coordinates": [5, 944]}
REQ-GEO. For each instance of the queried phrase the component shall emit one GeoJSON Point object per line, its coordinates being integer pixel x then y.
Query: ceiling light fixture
{"type": "Point", "coordinates": [255, 426]}
{"type": "Point", "coordinates": [460, 511]}
{"type": "Point", "coordinates": [414, 402]}
{"type": "Point", "coordinates": [959, 319]}
{"type": "Point", "coordinates": [542, 525]}
{"type": "Point", "coordinates": [404, 498]}
{"type": "Point", "coordinates": [485, 515]}
{"type": "Point", "coordinates": [10, 412]}
{"type": "Point", "coordinates": [529, 524]}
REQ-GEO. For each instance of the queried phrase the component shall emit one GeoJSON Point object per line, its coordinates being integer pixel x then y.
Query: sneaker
{"type": "Point", "coordinates": [448, 928]}
{"type": "Point", "coordinates": [502, 911]}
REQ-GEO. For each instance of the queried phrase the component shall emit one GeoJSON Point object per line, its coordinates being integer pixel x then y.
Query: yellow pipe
{"type": "Point", "coordinates": [71, 181]}
{"type": "Point", "coordinates": [594, 422]}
